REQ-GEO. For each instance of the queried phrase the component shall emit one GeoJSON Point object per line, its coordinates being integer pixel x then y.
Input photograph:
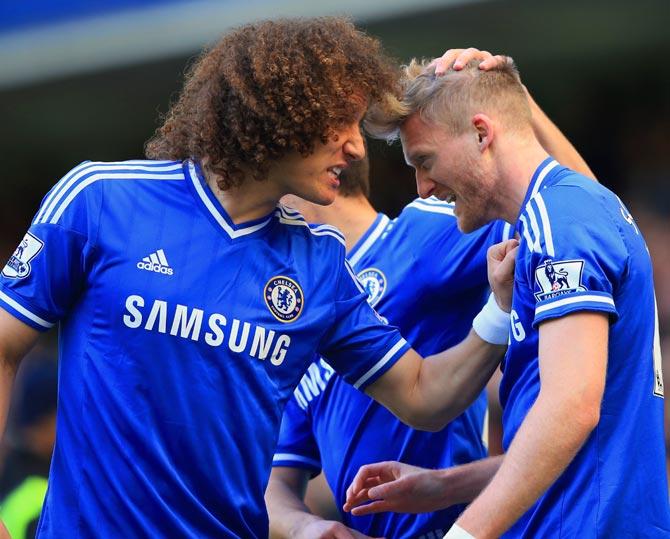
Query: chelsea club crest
{"type": "Point", "coordinates": [284, 298]}
{"type": "Point", "coordinates": [374, 283]}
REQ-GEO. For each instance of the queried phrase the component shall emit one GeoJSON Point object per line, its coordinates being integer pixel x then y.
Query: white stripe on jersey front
{"type": "Point", "coordinates": [542, 175]}
{"type": "Point", "coordinates": [278, 457]}
{"type": "Point", "coordinates": [369, 242]}
{"type": "Point", "coordinates": [383, 361]}
{"type": "Point", "coordinates": [25, 312]}
{"type": "Point", "coordinates": [215, 213]}
{"type": "Point", "coordinates": [575, 299]}
{"type": "Point", "coordinates": [84, 169]}
{"type": "Point", "coordinates": [546, 225]}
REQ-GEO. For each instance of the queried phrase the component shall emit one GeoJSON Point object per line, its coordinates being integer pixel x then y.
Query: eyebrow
{"type": "Point", "coordinates": [416, 158]}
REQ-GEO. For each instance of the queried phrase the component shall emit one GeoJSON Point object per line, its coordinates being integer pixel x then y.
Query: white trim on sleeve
{"type": "Point", "coordinates": [383, 361]}
{"type": "Point", "coordinates": [278, 457]}
{"type": "Point", "coordinates": [25, 312]}
{"type": "Point", "coordinates": [576, 299]}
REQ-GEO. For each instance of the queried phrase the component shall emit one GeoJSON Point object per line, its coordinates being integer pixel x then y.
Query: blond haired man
{"type": "Point", "coordinates": [581, 388]}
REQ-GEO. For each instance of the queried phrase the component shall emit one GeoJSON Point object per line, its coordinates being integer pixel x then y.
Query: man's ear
{"type": "Point", "coordinates": [484, 130]}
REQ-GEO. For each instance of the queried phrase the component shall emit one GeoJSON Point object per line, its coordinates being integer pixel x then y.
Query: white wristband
{"type": "Point", "coordinates": [492, 323]}
{"type": "Point", "coordinates": [456, 532]}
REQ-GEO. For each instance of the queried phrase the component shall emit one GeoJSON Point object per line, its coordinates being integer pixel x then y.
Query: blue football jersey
{"type": "Point", "coordinates": [182, 335]}
{"type": "Point", "coordinates": [429, 279]}
{"type": "Point", "coordinates": [581, 251]}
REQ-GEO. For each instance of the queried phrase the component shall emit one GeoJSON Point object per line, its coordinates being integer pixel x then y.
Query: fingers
{"type": "Point", "coordinates": [355, 499]}
{"type": "Point", "coordinates": [378, 506]}
{"type": "Point", "coordinates": [498, 251]}
{"type": "Point", "coordinates": [495, 61]}
{"type": "Point", "coordinates": [506, 268]}
{"type": "Point", "coordinates": [369, 472]}
{"type": "Point", "coordinates": [444, 62]}
{"type": "Point", "coordinates": [459, 58]}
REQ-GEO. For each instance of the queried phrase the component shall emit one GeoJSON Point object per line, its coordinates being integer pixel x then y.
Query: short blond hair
{"type": "Point", "coordinates": [451, 99]}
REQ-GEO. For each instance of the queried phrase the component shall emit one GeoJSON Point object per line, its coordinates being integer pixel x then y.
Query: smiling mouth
{"type": "Point", "coordinates": [335, 171]}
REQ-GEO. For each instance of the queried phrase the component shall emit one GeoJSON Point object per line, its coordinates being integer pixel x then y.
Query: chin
{"type": "Point", "coordinates": [467, 225]}
{"type": "Point", "coordinates": [322, 199]}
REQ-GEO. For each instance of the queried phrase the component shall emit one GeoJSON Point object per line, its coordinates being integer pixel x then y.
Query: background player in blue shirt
{"type": "Point", "coordinates": [581, 388]}
{"type": "Point", "coordinates": [429, 279]}
{"type": "Point", "coordinates": [190, 303]}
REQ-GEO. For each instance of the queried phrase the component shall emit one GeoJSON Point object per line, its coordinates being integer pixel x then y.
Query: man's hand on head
{"type": "Point", "coordinates": [459, 58]}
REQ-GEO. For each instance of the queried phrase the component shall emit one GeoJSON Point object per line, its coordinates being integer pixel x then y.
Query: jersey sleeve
{"type": "Point", "coordinates": [576, 255]}
{"type": "Point", "coordinates": [297, 447]}
{"type": "Point", "coordinates": [358, 344]}
{"type": "Point", "coordinates": [47, 271]}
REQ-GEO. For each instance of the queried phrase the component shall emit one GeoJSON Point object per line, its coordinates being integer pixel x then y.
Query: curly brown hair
{"type": "Point", "coordinates": [269, 88]}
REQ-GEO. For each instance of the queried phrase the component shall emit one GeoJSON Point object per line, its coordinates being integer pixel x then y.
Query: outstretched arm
{"type": "Point", "coordinates": [402, 488]}
{"type": "Point", "coordinates": [16, 339]}
{"type": "Point", "coordinates": [572, 378]}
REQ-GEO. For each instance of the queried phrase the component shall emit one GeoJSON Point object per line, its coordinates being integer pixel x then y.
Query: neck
{"type": "Point", "coordinates": [352, 215]}
{"type": "Point", "coordinates": [519, 161]}
{"type": "Point", "coordinates": [249, 201]}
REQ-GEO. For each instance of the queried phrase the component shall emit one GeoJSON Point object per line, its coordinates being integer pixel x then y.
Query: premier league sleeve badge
{"type": "Point", "coordinates": [18, 265]}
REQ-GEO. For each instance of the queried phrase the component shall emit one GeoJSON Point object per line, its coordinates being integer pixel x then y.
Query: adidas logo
{"type": "Point", "coordinates": [156, 262]}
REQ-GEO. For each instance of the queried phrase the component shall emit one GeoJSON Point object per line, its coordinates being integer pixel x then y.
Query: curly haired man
{"type": "Point", "coordinates": [190, 302]}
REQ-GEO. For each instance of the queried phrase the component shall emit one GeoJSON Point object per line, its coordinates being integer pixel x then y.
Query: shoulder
{"type": "Point", "coordinates": [325, 236]}
{"type": "Point", "coordinates": [576, 210]}
{"type": "Point", "coordinates": [82, 186]}
{"type": "Point", "coordinates": [572, 194]}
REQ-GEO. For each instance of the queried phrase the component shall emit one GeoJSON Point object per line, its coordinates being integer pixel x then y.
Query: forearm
{"type": "Point", "coordinates": [464, 483]}
{"type": "Point", "coordinates": [7, 374]}
{"type": "Point", "coordinates": [450, 381]}
{"type": "Point", "coordinates": [554, 141]}
{"type": "Point", "coordinates": [16, 339]}
{"type": "Point", "coordinates": [549, 438]}
{"type": "Point", "coordinates": [286, 510]}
